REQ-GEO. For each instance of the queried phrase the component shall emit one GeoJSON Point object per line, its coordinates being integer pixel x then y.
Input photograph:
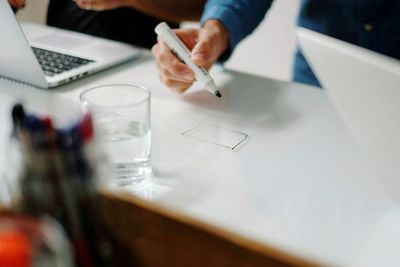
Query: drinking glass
{"type": "Point", "coordinates": [121, 114]}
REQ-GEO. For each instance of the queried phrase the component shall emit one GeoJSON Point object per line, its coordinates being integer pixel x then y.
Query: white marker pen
{"type": "Point", "coordinates": [183, 53]}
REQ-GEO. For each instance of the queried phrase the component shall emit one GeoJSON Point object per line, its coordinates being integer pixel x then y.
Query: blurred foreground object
{"type": "Point", "coordinates": [53, 173]}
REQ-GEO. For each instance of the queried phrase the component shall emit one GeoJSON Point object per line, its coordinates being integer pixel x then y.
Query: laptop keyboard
{"type": "Point", "coordinates": [54, 63]}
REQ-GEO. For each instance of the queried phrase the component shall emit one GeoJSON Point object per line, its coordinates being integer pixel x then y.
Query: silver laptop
{"type": "Point", "coordinates": [364, 86]}
{"type": "Point", "coordinates": [47, 57]}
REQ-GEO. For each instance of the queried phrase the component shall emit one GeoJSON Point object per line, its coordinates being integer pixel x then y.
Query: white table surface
{"type": "Point", "coordinates": [299, 185]}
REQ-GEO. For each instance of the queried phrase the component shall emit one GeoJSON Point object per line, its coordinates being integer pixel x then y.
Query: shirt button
{"type": "Point", "coordinates": [368, 27]}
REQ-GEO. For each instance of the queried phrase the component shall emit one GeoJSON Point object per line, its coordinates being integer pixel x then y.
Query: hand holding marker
{"type": "Point", "coordinates": [183, 53]}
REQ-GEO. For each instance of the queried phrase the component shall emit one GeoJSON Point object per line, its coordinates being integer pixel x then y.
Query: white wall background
{"type": "Point", "coordinates": [35, 11]}
{"type": "Point", "coordinates": [267, 52]}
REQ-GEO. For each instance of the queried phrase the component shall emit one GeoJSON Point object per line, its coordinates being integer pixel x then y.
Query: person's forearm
{"type": "Point", "coordinates": [16, 4]}
{"type": "Point", "coordinates": [171, 10]}
{"type": "Point", "coordinates": [240, 17]}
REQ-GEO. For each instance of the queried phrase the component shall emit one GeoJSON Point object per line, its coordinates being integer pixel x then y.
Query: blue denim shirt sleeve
{"type": "Point", "coordinates": [240, 17]}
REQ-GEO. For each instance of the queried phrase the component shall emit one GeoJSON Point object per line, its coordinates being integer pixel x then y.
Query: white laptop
{"type": "Point", "coordinates": [364, 86]}
{"type": "Point", "coordinates": [47, 57]}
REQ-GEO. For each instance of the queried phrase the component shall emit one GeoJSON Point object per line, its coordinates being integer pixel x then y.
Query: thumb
{"type": "Point", "coordinates": [201, 53]}
{"type": "Point", "coordinates": [204, 53]}
{"type": "Point", "coordinates": [212, 42]}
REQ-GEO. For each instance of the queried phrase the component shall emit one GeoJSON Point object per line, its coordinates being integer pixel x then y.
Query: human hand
{"type": "Point", "coordinates": [16, 4]}
{"type": "Point", "coordinates": [99, 5]}
{"type": "Point", "coordinates": [206, 45]}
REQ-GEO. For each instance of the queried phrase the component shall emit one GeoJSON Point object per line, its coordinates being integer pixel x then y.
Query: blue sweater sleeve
{"type": "Point", "coordinates": [240, 17]}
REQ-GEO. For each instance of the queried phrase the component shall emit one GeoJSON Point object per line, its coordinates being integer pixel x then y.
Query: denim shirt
{"type": "Point", "coordinates": [372, 24]}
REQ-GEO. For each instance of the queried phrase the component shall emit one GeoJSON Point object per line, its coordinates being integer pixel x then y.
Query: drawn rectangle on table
{"type": "Point", "coordinates": [227, 138]}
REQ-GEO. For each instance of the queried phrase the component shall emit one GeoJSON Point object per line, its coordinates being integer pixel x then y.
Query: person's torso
{"type": "Point", "coordinates": [122, 24]}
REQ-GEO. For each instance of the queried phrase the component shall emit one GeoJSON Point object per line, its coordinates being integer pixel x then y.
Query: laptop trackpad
{"type": "Point", "coordinates": [62, 40]}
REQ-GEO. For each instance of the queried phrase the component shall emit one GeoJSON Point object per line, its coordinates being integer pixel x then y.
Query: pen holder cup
{"type": "Point", "coordinates": [57, 173]}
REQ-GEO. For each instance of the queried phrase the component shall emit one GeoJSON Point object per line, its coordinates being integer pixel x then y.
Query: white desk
{"type": "Point", "coordinates": [299, 185]}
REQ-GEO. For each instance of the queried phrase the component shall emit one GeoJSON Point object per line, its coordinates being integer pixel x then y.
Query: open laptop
{"type": "Point", "coordinates": [48, 57]}
{"type": "Point", "coordinates": [364, 87]}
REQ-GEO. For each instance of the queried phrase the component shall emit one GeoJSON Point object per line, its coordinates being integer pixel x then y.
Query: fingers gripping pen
{"type": "Point", "coordinates": [181, 51]}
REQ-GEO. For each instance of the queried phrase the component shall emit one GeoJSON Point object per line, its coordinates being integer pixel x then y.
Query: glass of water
{"type": "Point", "coordinates": [121, 114]}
